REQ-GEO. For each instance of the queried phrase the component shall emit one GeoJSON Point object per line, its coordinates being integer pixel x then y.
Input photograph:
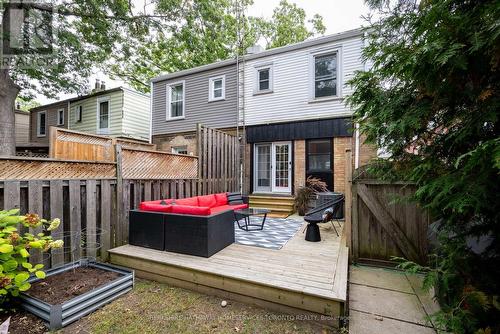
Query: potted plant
{"type": "Point", "coordinates": [304, 194]}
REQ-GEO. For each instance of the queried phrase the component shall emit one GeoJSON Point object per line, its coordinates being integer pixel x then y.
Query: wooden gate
{"type": "Point", "coordinates": [385, 225]}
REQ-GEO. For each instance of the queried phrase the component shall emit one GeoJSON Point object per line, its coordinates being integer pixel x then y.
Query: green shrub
{"type": "Point", "coordinates": [15, 270]}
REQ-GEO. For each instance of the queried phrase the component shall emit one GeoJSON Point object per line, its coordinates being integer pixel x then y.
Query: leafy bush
{"type": "Point", "coordinates": [431, 99]}
{"type": "Point", "coordinates": [15, 270]}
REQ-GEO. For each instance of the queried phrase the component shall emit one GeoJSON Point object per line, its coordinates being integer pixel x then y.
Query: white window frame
{"type": "Point", "coordinates": [323, 52]}
{"type": "Point", "coordinates": [259, 68]}
{"type": "Point", "coordinates": [38, 117]}
{"type": "Point", "coordinates": [98, 114]}
{"type": "Point", "coordinates": [58, 118]}
{"type": "Point", "coordinates": [169, 93]}
{"type": "Point", "coordinates": [176, 149]}
{"type": "Point", "coordinates": [78, 113]}
{"type": "Point", "coordinates": [211, 88]}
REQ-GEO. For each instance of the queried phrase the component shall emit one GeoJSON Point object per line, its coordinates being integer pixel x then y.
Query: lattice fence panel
{"type": "Point", "coordinates": [47, 169]}
{"type": "Point", "coordinates": [138, 164]}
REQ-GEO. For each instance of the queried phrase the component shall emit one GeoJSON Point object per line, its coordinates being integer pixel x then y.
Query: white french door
{"type": "Point", "coordinates": [273, 167]}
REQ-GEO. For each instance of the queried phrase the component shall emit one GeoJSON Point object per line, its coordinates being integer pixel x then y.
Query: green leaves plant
{"type": "Point", "coordinates": [14, 268]}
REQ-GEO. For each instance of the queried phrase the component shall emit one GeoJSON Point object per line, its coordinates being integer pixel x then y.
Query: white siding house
{"type": "Point", "coordinates": [290, 96]}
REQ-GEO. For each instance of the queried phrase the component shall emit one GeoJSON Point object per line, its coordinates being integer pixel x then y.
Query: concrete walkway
{"type": "Point", "coordinates": [383, 301]}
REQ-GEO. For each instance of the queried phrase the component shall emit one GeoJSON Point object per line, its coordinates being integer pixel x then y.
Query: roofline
{"type": "Point", "coordinates": [83, 97]}
{"type": "Point", "coordinates": [287, 48]}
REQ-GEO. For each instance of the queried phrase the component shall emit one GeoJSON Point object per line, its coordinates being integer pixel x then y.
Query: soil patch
{"type": "Point", "coordinates": [22, 322]}
{"type": "Point", "coordinates": [64, 286]}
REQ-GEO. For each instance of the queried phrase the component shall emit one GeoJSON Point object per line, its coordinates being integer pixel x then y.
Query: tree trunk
{"type": "Point", "coordinates": [8, 94]}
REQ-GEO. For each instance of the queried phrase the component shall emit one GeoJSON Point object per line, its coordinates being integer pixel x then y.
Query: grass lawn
{"type": "Point", "coordinates": [153, 307]}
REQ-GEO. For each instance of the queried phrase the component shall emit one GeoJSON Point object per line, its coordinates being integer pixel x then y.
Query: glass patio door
{"type": "Point", "coordinates": [282, 167]}
{"type": "Point", "coordinates": [272, 168]}
{"type": "Point", "coordinates": [262, 173]}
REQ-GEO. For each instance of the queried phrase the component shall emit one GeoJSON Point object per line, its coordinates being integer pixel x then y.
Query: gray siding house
{"type": "Point", "coordinates": [205, 94]}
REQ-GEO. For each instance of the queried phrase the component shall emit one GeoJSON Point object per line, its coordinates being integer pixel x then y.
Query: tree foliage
{"type": "Point", "coordinates": [431, 100]}
{"type": "Point", "coordinates": [205, 31]}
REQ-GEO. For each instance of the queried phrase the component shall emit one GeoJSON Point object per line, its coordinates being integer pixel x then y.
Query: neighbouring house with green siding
{"type": "Point", "coordinates": [117, 112]}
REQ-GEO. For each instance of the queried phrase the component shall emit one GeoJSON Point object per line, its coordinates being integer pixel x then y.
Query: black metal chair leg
{"type": "Point", "coordinates": [334, 227]}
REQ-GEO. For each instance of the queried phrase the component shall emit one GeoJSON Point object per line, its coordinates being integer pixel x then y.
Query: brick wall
{"type": "Point", "coordinates": [166, 142]}
{"type": "Point", "coordinates": [340, 144]}
{"type": "Point", "coordinates": [299, 164]}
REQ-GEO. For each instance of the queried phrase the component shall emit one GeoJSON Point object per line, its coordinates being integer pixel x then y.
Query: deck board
{"type": "Point", "coordinates": [303, 275]}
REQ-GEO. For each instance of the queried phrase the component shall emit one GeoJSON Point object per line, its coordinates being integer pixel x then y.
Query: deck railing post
{"type": "Point", "coordinates": [348, 197]}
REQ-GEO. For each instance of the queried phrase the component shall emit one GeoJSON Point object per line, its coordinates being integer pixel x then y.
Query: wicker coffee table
{"type": "Point", "coordinates": [246, 214]}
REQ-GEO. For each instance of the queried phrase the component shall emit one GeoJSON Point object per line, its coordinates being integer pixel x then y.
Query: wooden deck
{"type": "Point", "coordinates": [301, 277]}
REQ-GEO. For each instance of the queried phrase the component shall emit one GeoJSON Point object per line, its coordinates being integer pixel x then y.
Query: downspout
{"type": "Point", "coordinates": [151, 112]}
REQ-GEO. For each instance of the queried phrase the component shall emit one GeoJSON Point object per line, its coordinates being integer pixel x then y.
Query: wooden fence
{"type": "Point", "coordinates": [385, 225]}
{"type": "Point", "coordinates": [74, 145]}
{"type": "Point", "coordinates": [219, 161]}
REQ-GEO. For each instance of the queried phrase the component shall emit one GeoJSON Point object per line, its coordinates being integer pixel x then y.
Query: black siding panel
{"type": "Point", "coordinates": [325, 128]}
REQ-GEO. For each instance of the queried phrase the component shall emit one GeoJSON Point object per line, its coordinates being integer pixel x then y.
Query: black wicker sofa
{"type": "Point", "coordinates": [180, 226]}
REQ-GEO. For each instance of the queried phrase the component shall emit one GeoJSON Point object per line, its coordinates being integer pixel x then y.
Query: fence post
{"type": "Point", "coordinates": [52, 142]}
{"type": "Point", "coordinates": [354, 223]}
{"type": "Point", "coordinates": [199, 139]}
{"type": "Point", "coordinates": [348, 197]}
{"type": "Point", "coordinates": [119, 197]}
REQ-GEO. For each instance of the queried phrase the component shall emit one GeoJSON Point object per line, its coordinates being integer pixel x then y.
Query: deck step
{"type": "Point", "coordinates": [280, 206]}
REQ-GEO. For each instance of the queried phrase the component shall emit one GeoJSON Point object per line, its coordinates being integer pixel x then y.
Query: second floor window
{"type": "Point", "coordinates": [325, 75]}
{"type": "Point", "coordinates": [103, 115]}
{"type": "Point", "coordinates": [176, 101]}
{"type": "Point", "coordinates": [264, 76]}
{"type": "Point", "coordinates": [217, 89]}
{"type": "Point", "coordinates": [60, 117]}
{"type": "Point", "coordinates": [42, 124]}
{"type": "Point", "coordinates": [78, 113]}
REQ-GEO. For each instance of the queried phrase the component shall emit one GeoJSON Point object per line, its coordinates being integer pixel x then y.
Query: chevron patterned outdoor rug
{"type": "Point", "coordinates": [276, 232]}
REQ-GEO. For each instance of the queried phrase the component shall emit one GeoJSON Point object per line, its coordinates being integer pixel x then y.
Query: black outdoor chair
{"type": "Point", "coordinates": [323, 214]}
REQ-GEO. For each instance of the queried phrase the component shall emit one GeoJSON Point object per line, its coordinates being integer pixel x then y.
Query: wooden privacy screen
{"type": "Point", "coordinates": [74, 145]}
{"type": "Point", "coordinates": [219, 161]}
{"type": "Point", "coordinates": [383, 226]}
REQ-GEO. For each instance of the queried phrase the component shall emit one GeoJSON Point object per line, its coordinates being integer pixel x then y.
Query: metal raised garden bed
{"type": "Point", "coordinates": [60, 315]}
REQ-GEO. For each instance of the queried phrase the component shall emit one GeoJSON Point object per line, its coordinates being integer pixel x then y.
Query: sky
{"type": "Point", "coordinates": [338, 16]}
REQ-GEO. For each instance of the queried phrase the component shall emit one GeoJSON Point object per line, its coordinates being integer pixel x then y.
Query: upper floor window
{"type": "Point", "coordinates": [78, 113]}
{"type": "Point", "coordinates": [264, 76]}
{"type": "Point", "coordinates": [176, 102]}
{"type": "Point", "coordinates": [103, 115]}
{"type": "Point", "coordinates": [217, 88]}
{"type": "Point", "coordinates": [325, 75]}
{"type": "Point", "coordinates": [41, 129]}
{"type": "Point", "coordinates": [60, 117]}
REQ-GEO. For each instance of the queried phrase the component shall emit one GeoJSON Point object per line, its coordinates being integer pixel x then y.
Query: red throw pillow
{"type": "Point", "coordinates": [207, 200]}
{"type": "Point", "coordinates": [190, 210]}
{"type": "Point", "coordinates": [145, 206]}
{"type": "Point", "coordinates": [221, 199]}
{"type": "Point", "coordinates": [192, 201]}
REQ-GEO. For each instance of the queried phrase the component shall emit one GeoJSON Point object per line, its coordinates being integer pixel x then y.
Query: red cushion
{"type": "Point", "coordinates": [221, 199]}
{"type": "Point", "coordinates": [191, 210]}
{"type": "Point", "coordinates": [148, 206]}
{"type": "Point", "coordinates": [238, 206]}
{"type": "Point", "coordinates": [207, 200]}
{"type": "Point", "coordinates": [228, 207]}
{"type": "Point", "coordinates": [191, 201]}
